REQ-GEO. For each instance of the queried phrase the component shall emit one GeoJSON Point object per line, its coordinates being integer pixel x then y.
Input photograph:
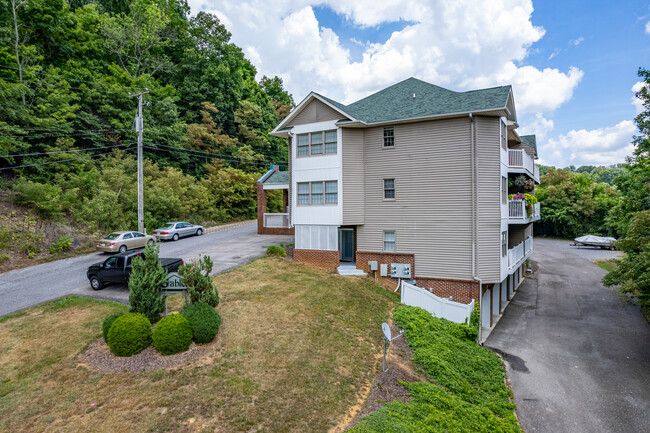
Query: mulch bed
{"type": "Point", "coordinates": [99, 358]}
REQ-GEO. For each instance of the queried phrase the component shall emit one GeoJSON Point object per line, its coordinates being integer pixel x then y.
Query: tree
{"type": "Point", "coordinates": [633, 213]}
{"type": "Point", "coordinates": [145, 283]}
{"type": "Point", "coordinates": [196, 276]}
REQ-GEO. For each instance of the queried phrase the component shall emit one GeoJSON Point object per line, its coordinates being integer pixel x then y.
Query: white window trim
{"type": "Point", "coordinates": [383, 189]}
{"type": "Point", "coordinates": [383, 138]}
{"type": "Point", "coordinates": [322, 144]}
{"type": "Point", "coordinates": [394, 241]}
{"type": "Point", "coordinates": [324, 203]}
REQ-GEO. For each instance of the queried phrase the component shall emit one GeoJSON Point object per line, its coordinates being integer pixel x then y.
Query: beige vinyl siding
{"type": "Point", "coordinates": [352, 147]}
{"type": "Point", "coordinates": [431, 213]}
{"type": "Point", "coordinates": [315, 111]}
{"type": "Point", "coordinates": [489, 199]}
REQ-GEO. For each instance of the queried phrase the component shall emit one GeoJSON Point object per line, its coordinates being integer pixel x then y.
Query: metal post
{"type": "Point", "coordinates": [383, 364]}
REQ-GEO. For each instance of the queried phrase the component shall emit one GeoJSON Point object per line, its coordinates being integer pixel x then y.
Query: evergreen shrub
{"type": "Point", "coordinates": [172, 334]}
{"type": "Point", "coordinates": [145, 282]}
{"type": "Point", "coordinates": [196, 276]}
{"type": "Point", "coordinates": [108, 322]}
{"type": "Point", "coordinates": [129, 334]}
{"type": "Point", "coordinates": [276, 250]}
{"type": "Point", "coordinates": [203, 320]}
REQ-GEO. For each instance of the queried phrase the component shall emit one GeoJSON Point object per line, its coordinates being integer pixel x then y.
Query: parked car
{"type": "Point", "coordinates": [177, 229]}
{"type": "Point", "coordinates": [117, 269]}
{"type": "Point", "coordinates": [122, 241]}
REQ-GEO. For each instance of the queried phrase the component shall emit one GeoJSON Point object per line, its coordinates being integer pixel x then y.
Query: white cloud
{"type": "Point", "coordinates": [460, 45]}
{"type": "Point", "coordinates": [539, 126]}
{"type": "Point", "coordinates": [638, 103]}
{"type": "Point", "coordinates": [647, 27]}
{"type": "Point", "coordinates": [601, 146]}
{"type": "Point", "coordinates": [554, 53]}
{"type": "Point", "coordinates": [576, 42]}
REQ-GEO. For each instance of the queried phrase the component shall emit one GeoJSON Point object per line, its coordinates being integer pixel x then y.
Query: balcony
{"type": "Point", "coordinates": [277, 220]}
{"type": "Point", "coordinates": [518, 214]}
{"type": "Point", "coordinates": [520, 162]}
{"type": "Point", "coordinates": [519, 253]}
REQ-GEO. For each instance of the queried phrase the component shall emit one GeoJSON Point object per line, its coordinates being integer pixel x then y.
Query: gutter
{"type": "Point", "coordinates": [474, 162]}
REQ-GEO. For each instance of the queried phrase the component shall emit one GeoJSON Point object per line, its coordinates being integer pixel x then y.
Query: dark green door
{"type": "Point", "coordinates": [346, 245]}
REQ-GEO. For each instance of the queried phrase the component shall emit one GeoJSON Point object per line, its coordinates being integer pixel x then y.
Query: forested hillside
{"type": "Point", "coordinates": [68, 71]}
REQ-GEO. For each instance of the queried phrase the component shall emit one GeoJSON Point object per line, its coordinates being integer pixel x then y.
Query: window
{"type": "Point", "coordinates": [504, 244]}
{"type": "Point", "coordinates": [330, 141]}
{"type": "Point", "coordinates": [389, 137]}
{"type": "Point", "coordinates": [303, 193]}
{"type": "Point", "coordinates": [127, 236]}
{"type": "Point", "coordinates": [318, 193]}
{"type": "Point", "coordinates": [504, 135]}
{"type": "Point", "coordinates": [110, 263]}
{"type": "Point", "coordinates": [389, 242]}
{"type": "Point", "coordinates": [119, 263]}
{"type": "Point", "coordinates": [303, 145]}
{"type": "Point", "coordinates": [504, 189]}
{"type": "Point", "coordinates": [331, 192]}
{"type": "Point", "coordinates": [317, 143]}
{"type": "Point", "coordinates": [389, 189]}
{"type": "Point", "coordinates": [138, 235]}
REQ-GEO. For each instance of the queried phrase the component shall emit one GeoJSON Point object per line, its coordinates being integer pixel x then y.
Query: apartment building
{"type": "Point", "coordinates": [414, 175]}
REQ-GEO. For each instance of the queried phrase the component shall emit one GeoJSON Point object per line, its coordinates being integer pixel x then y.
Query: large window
{"type": "Point", "coordinates": [317, 143]}
{"type": "Point", "coordinates": [389, 189]}
{"type": "Point", "coordinates": [389, 137]}
{"type": "Point", "coordinates": [318, 193]}
{"type": "Point", "coordinates": [389, 242]}
{"type": "Point", "coordinates": [504, 244]}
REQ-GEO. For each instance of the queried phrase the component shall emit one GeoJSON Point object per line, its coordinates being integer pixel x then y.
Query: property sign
{"type": "Point", "coordinates": [174, 284]}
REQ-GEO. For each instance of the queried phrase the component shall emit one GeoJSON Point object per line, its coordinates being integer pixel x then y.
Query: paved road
{"type": "Point", "coordinates": [229, 249]}
{"type": "Point", "coordinates": [578, 358]}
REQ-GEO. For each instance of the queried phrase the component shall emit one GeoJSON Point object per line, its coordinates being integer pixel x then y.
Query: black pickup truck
{"type": "Point", "coordinates": [117, 269]}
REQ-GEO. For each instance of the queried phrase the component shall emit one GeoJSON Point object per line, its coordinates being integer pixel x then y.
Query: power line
{"type": "Point", "coordinates": [64, 151]}
{"type": "Point", "coordinates": [212, 156]}
{"type": "Point", "coordinates": [201, 152]}
{"type": "Point", "coordinates": [57, 162]}
{"type": "Point", "coordinates": [45, 83]}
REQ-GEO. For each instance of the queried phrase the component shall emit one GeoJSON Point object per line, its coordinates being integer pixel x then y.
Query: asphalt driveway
{"type": "Point", "coordinates": [578, 358]}
{"type": "Point", "coordinates": [229, 249]}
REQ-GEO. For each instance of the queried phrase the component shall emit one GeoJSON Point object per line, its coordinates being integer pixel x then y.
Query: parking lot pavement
{"type": "Point", "coordinates": [577, 356]}
{"type": "Point", "coordinates": [229, 249]}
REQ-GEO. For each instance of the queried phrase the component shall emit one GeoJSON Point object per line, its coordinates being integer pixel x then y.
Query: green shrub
{"type": "Point", "coordinates": [203, 320]}
{"type": "Point", "coordinates": [44, 198]}
{"type": "Point", "coordinates": [147, 277]}
{"type": "Point", "coordinates": [276, 250]}
{"type": "Point", "coordinates": [108, 322]}
{"type": "Point", "coordinates": [4, 257]}
{"type": "Point", "coordinates": [129, 334]}
{"type": "Point", "coordinates": [196, 276]}
{"type": "Point", "coordinates": [31, 255]}
{"type": "Point", "coordinates": [28, 247]}
{"type": "Point", "coordinates": [61, 244]}
{"type": "Point", "coordinates": [172, 334]}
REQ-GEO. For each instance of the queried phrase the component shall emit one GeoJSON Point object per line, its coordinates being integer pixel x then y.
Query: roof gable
{"type": "Point", "coordinates": [530, 140]}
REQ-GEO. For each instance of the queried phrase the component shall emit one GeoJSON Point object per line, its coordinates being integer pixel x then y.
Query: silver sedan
{"type": "Point", "coordinates": [176, 230]}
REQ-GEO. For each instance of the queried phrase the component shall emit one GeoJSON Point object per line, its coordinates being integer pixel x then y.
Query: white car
{"type": "Point", "coordinates": [176, 230]}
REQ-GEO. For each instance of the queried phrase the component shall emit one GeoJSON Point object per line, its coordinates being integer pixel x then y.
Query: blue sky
{"type": "Point", "coordinates": [572, 64]}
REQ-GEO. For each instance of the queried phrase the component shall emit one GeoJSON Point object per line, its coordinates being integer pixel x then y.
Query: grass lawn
{"type": "Point", "coordinates": [608, 265]}
{"type": "Point", "coordinates": [296, 349]}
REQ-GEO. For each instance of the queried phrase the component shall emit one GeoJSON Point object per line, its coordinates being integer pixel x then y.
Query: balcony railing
{"type": "Point", "coordinates": [517, 213]}
{"type": "Point", "coordinates": [519, 159]}
{"type": "Point", "coordinates": [519, 253]}
{"type": "Point", "coordinates": [277, 220]}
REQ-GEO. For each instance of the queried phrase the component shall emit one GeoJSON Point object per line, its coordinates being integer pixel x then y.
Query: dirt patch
{"type": "Point", "coordinates": [385, 387]}
{"type": "Point", "coordinates": [99, 358]}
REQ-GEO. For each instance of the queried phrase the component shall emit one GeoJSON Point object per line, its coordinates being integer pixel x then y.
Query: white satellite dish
{"type": "Point", "coordinates": [386, 329]}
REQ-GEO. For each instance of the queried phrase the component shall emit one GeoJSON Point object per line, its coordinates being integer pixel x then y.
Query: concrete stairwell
{"type": "Point", "coordinates": [350, 268]}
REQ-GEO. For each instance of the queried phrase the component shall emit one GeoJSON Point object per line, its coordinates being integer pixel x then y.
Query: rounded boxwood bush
{"type": "Point", "coordinates": [203, 320]}
{"type": "Point", "coordinates": [172, 334]}
{"type": "Point", "coordinates": [108, 322]}
{"type": "Point", "coordinates": [129, 334]}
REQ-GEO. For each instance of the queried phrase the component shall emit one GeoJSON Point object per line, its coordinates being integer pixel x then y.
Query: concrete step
{"type": "Point", "coordinates": [349, 270]}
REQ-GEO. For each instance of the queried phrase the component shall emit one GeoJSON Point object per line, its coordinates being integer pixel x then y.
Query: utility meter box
{"type": "Point", "coordinates": [383, 270]}
{"type": "Point", "coordinates": [400, 270]}
{"type": "Point", "coordinates": [372, 265]}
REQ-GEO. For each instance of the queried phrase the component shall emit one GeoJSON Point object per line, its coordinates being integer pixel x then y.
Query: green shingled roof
{"type": "Point", "coordinates": [530, 140]}
{"type": "Point", "coordinates": [278, 177]}
{"type": "Point", "coordinates": [397, 103]}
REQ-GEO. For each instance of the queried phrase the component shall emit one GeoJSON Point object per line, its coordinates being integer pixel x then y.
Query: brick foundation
{"type": "Point", "coordinates": [323, 259]}
{"type": "Point", "coordinates": [461, 290]}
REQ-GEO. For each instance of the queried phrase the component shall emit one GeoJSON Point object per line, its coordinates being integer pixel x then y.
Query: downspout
{"type": "Point", "coordinates": [474, 171]}
{"type": "Point", "coordinates": [290, 179]}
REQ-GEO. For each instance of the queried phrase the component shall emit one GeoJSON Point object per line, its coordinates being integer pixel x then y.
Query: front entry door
{"type": "Point", "coordinates": [346, 245]}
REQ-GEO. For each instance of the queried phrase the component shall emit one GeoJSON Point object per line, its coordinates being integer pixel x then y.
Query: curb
{"type": "Point", "coordinates": [214, 229]}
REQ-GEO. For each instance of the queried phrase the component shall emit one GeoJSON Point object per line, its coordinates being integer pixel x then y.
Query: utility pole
{"type": "Point", "coordinates": [139, 126]}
